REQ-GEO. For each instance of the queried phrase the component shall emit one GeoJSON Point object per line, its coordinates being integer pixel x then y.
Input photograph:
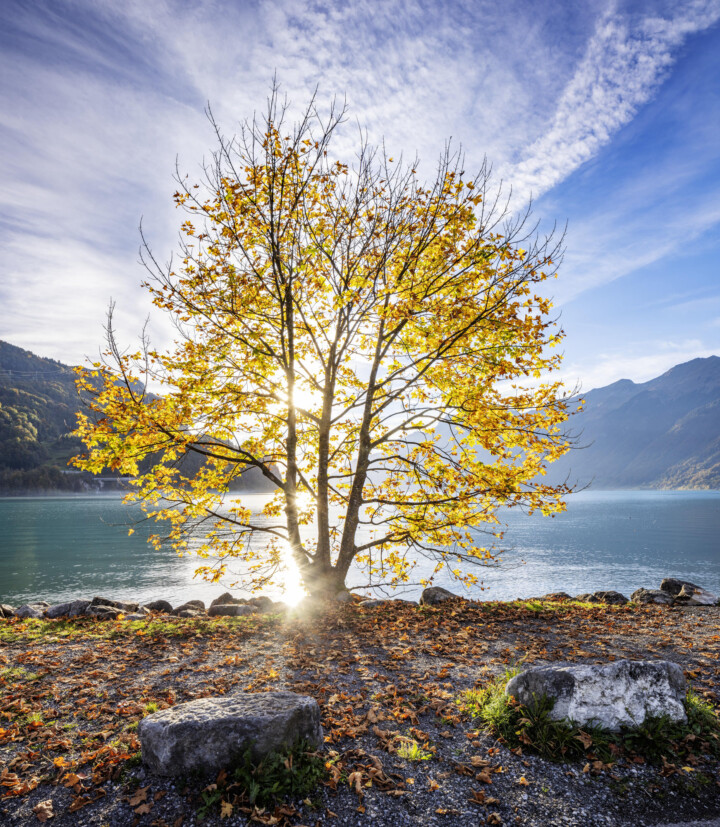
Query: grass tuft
{"type": "Point", "coordinates": [411, 750]}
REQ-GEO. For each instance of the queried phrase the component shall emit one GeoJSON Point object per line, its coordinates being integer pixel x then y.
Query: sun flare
{"type": "Point", "coordinates": [293, 591]}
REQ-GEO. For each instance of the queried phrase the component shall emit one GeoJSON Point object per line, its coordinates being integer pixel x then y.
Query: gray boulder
{"type": "Point", "coordinates": [673, 586]}
{"type": "Point", "coordinates": [232, 610]}
{"type": "Point", "coordinates": [658, 596]}
{"type": "Point", "coordinates": [102, 612]}
{"type": "Point", "coordinates": [159, 606]}
{"type": "Point", "coordinates": [210, 733]}
{"type": "Point", "coordinates": [612, 695]}
{"type": "Point", "coordinates": [6, 610]}
{"type": "Point", "coordinates": [114, 604]}
{"type": "Point", "coordinates": [555, 596]}
{"type": "Point", "coordinates": [189, 613]}
{"type": "Point", "coordinates": [610, 597]}
{"type": "Point", "coordinates": [434, 595]}
{"type": "Point", "coordinates": [227, 599]}
{"type": "Point", "coordinates": [695, 596]}
{"type": "Point", "coordinates": [135, 616]}
{"type": "Point", "coordinates": [194, 605]}
{"type": "Point", "coordinates": [263, 603]}
{"type": "Point", "coordinates": [30, 610]}
{"type": "Point", "coordinates": [73, 608]}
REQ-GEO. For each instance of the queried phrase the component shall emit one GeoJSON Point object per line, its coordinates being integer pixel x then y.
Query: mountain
{"type": "Point", "coordinates": [38, 407]}
{"type": "Point", "coordinates": [664, 433]}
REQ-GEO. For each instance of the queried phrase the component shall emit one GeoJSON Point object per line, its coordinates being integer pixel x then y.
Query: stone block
{"type": "Point", "coordinates": [210, 733]}
{"type": "Point", "coordinates": [611, 695]}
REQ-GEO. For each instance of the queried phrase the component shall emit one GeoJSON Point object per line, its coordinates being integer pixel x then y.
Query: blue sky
{"type": "Point", "coordinates": [607, 113]}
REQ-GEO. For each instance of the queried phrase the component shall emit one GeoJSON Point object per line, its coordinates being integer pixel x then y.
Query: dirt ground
{"type": "Point", "coordinates": [72, 692]}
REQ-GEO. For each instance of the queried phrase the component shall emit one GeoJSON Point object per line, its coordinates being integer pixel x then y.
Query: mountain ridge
{"type": "Point", "coordinates": [661, 433]}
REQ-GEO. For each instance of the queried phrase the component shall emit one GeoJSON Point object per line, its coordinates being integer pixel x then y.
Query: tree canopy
{"type": "Point", "coordinates": [363, 338]}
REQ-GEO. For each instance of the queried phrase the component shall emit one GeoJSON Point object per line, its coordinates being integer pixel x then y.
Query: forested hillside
{"type": "Point", "coordinates": [38, 405]}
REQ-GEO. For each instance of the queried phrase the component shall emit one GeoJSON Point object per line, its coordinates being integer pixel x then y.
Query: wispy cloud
{"type": "Point", "coordinates": [624, 62]}
{"type": "Point", "coordinates": [98, 98]}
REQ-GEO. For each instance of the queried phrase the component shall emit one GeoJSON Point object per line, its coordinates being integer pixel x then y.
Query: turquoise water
{"type": "Point", "coordinates": [60, 548]}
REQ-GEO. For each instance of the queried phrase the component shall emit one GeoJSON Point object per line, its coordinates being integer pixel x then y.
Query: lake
{"type": "Point", "coordinates": [61, 548]}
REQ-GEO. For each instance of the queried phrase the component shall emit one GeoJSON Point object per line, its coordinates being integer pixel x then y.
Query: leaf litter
{"type": "Point", "coordinates": [387, 679]}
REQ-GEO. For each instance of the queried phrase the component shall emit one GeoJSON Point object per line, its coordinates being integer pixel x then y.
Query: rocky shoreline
{"type": "Point", "coordinates": [672, 592]}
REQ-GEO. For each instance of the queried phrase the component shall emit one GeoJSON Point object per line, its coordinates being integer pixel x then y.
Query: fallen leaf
{"type": "Point", "coordinates": [44, 810]}
{"type": "Point", "coordinates": [226, 809]}
{"type": "Point", "coordinates": [139, 797]}
{"type": "Point", "coordinates": [523, 781]}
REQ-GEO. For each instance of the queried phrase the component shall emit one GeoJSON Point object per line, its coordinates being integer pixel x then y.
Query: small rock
{"type": "Point", "coordinates": [343, 596]}
{"type": "Point", "coordinates": [188, 612]}
{"type": "Point", "coordinates": [100, 612]}
{"type": "Point", "coordinates": [231, 610]}
{"type": "Point", "coordinates": [73, 608]}
{"type": "Point", "coordinates": [209, 733]}
{"type": "Point", "coordinates": [114, 604]}
{"type": "Point", "coordinates": [228, 600]}
{"type": "Point", "coordinates": [613, 598]}
{"type": "Point", "coordinates": [673, 586]}
{"type": "Point", "coordinates": [555, 596]}
{"type": "Point", "coordinates": [652, 596]}
{"type": "Point", "coordinates": [195, 605]}
{"type": "Point", "coordinates": [695, 596]}
{"type": "Point", "coordinates": [6, 610]}
{"type": "Point", "coordinates": [159, 606]}
{"type": "Point", "coordinates": [434, 595]}
{"type": "Point", "coordinates": [584, 598]}
{"type": "Point", "coordinates": [611, 695]}
{"type": "Point", "coordinates": [263, 603]}
{"type": "Point", "coordinates": [368, 604]}
{"type": "Point", "coordinates": [32, 610]}
{"type": "Point", "coordinates": [135, 616]}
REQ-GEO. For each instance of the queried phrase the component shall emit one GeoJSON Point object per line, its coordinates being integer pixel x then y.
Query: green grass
{"type": "Point", "coordinates": [14, 631]}
{"type": "Point", "coordinates": [290, 773]}
{"type": "Point", "coordinates": [18, 673]}
{"type": "Point", "coordinates": [533, 729]}
{"type": "Point", "coordinates": [410, 750]}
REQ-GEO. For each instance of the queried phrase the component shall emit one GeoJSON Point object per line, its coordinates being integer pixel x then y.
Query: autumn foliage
{"type": "Point", "coordinates": [362, 338]}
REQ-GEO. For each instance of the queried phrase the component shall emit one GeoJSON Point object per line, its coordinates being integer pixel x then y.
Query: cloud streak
{"type": "Point", "coordinates": [623, 65]}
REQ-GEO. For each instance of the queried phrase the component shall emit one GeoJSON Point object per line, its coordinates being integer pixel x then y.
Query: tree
{"type": "Point", "coordinates": [357, 336]}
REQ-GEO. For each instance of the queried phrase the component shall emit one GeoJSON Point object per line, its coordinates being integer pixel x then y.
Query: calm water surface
{"type": "Point", "coordinates": [60, 548]}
